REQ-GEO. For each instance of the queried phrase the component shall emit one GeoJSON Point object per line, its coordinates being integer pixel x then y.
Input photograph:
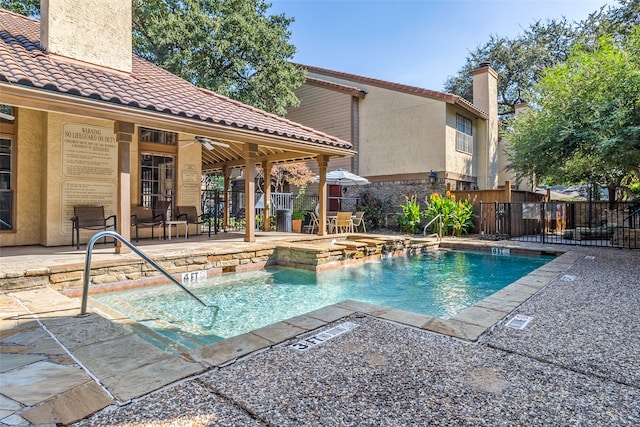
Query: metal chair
{"type": "Point", "coordinates": [144, 218]}
{"type": "Point", "coordinates": [190, 214]}
{"type": "Point", "coordinates": [89, 218]}
{"type": "Point", "coordinates": [358, 220]}
{"type": "Point", "coordinates": [344, 222]}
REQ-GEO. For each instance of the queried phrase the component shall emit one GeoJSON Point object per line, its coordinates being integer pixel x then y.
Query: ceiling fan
{"type": "Point", "coordinates": [208, 143]}
{"type": "Point", "coordinates": [9, 117]}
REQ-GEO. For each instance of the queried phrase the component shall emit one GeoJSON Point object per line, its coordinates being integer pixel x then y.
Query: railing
{"type": "Point", "coordinates": [87, 270]}
{"type": "Point", "coordinates": [439, 216]}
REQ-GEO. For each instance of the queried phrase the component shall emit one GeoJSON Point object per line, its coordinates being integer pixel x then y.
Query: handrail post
{"type": "Point", "coordinates": [87, 269]}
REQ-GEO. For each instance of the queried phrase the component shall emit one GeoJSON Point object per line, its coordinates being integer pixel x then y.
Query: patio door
{"type": "Point", "coordinates": [157, 183]}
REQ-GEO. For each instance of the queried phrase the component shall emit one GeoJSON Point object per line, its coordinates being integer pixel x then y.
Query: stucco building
{"type": "Point", "coordinates": [85, 122]}
{"type": "Point", "coordinates": [403, 134]}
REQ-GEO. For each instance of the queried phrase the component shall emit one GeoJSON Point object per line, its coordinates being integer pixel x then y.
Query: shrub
{"type": "Point", "coordinates": [409, 218]}
{"type": "Point", "coordinates": [457, 216]}
{"type": "Point", "coordinates": [373, 211]}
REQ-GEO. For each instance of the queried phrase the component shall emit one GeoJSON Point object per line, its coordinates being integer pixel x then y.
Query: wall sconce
{"type": "Point", "coordinates": [433, 178]}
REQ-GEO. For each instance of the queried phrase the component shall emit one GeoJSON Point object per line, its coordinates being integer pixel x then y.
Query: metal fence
{"type": "Point", "coordinates": [567, 223]}
{"type": "Point", "coordinates": [213, 201]}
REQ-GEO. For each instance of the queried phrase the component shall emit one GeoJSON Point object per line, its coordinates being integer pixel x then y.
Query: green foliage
{"type": "Point", "coordinates": [298, 207]}
{"type": "Point", "coordinates": [23, 7]}
{"type": "Point", "coordinates": [586, 120]}
{"type": "Point", "coordinates": [409, 218]}
{"type": "Point", "coordinates": [521, 61]}
{"type": "Point", "coordinates": [229, 46]}
{"type": "Point", "coordinates": [457, 216]}
{"type": "Point", "coordinates": [374, 210]}
{"type": "Point", "coordinates": [232, 47]}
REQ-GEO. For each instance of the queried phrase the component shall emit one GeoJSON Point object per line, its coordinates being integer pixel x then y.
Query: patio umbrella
{"type": "Point", "coordinates": [345, 178]}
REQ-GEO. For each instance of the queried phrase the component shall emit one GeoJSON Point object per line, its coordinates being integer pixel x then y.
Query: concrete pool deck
{"type": "Point", "coordinates": [577, 362]}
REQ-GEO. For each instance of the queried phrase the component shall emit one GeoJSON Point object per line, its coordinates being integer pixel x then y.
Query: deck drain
{"type": "Point", "coordinates": [323, 336]}
{"type": "Point", "coordinates": [589, 257]}
{"type": "Point", "coordinates": [519, 321]}
{"type": "Point", "coordinates": [568, 278]}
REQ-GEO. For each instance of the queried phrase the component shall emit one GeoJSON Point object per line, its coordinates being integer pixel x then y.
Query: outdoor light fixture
{"type": "Point", "coordinates": [433, 178]}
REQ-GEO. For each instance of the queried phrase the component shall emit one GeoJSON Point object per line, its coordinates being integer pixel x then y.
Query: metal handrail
{"type": "Point", "coordinates": [87, 269]}
{"type": "Point", "coordinates": [424, 230]}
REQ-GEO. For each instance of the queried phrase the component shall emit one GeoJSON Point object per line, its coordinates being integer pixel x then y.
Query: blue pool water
{"type": "Point", "coordinates": [437, 283]}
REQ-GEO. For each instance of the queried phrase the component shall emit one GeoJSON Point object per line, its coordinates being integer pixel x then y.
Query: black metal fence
{"type": "Point", "coordinates": [568, 223]}
{"type": "Point", "coordinates": [213, 202]}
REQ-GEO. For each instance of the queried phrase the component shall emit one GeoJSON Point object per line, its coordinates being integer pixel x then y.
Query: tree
{"type": "Point", "coordinates": [23, 7]}
{"type": "Point", "coordinates": [297, 174]}
{"type": "Point", "coordinates": [231, 47]}
{"type": "Point", "coordinates": [521, 61]}
{"type": "Point", "coordinates": [584, 120]}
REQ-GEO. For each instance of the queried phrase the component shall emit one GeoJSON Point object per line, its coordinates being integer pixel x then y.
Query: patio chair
{"type": "Point", "coordinates": [344, 222]}
{"type": "Point", "coordinates": [90, 218]}
{"type": "Point", "coordinates": [142, 217]}
{"type": "Point", "coordinates": [358, 220]}
{"type": "Point", "coordinates": [190, 214]}
{"type": "Point", "coordinates": [162, 207]}
{"type": "Point", "coordinates": [314, 224]}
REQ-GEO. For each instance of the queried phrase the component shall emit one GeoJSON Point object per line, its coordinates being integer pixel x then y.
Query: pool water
{"type": "Point", "coordinates": [436, 283]}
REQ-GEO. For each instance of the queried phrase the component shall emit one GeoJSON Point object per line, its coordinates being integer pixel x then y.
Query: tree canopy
{"type": "Point", "coordinates": [584, 117]}
{"type": "Point", "coordinates": [232, 47]}
{"type": "Point", "coordinates": [521, 61]}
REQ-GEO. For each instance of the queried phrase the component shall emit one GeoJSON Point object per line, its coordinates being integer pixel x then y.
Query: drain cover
{"type": "Point", "coordinates": [519, 321]}
{"type": "Point", "coordinates": [568, 278]}
{"type": "Point", "coordinates": [323, 336]}
{"type": "Point", "coordinates": [589, 257]}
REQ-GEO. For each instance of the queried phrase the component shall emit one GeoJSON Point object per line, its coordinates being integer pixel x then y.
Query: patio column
{"type": "Point", "coordinates": [250, 154]}
{"type": "Point", "coordinates": [124, 136]}
{"type": "Point", "coordinates": [323, 162]}
{"type": "Point", "coordinates": [226, 180]}
{"type": "Point", "coordinates": [266, 213]}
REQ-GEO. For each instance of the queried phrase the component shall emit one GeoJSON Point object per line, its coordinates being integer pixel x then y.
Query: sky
{"type": "Point", "coordinates": [414, 42]}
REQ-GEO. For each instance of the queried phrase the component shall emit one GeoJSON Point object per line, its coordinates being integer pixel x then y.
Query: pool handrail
{"type": "Point", "coordinates": [424, 230]}
{"type": "Point", "coordinates": [87, 268]}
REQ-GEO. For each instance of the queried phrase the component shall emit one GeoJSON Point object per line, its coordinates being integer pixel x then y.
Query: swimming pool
{"type": "Point", "coordinates": [436, 283]}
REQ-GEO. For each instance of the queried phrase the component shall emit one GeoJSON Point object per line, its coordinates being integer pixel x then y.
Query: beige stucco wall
{"type": "Point", "coordinates": [27, 181]}
{"type": "Point", "coordinates": [94, 31]}
{"type": "Point", "coordinates": [65, 190]}
{"type": "Point", "coordinates": [460, 165]}
{"type": "Point", "coordinates": [485, 96]}
{"type": "Point", "coordinates": [400, 133]}
{"type": "Point", "coordinates": [40, 181]}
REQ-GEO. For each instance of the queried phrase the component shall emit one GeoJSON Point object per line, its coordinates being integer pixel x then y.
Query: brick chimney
{"type": "Point", "coordinates": [485, 97]}
{"type": "Point", "coordinates": [93, 31]}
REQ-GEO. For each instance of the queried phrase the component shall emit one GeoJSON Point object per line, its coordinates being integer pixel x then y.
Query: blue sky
{"type": "Point", "coordinates": [414, 42]}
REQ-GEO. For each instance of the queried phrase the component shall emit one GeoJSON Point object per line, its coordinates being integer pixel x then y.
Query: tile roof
{"type": "Point", "coordinates": [148, 87]}
{"type": "Point", "coordinates": [443, 96]}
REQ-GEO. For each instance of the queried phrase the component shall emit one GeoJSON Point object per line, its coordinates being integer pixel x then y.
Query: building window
{"type": "Point", "coordinates": [158, 136]}
{"type": "Point", "coordinates": [464, 134]}
{"type": "Point", "coordinates": [157, 180]}
{"type": "Point", "coordinates": [7, 120]}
